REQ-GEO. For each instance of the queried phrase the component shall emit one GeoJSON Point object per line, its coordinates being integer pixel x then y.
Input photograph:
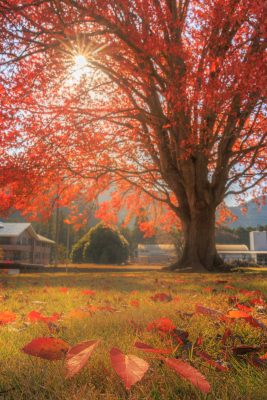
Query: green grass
{"type": "Point", "coordinates": [26, 377]}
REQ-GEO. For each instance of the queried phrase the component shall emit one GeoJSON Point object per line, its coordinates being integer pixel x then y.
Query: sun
{"type": "Point", "coordinates": [80, 61]}
{"type": "Point", "coordinates": [80, 66]}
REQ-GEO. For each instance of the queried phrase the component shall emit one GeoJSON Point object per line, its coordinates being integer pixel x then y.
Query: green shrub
{"type": "Point", "coordinates": [76, 255]}
{"type": "Point", "coordinates": [101, 245]}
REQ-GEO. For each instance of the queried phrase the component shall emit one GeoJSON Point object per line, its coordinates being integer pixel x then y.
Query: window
{"type": "Point", "coordinates": [5, 240]}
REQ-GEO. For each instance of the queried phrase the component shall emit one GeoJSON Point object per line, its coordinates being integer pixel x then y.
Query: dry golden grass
{"type": "Point", "coordinates": [25, 377]}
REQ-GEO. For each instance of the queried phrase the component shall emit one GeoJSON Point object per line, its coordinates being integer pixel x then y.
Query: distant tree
{"type": "Point", "coordinates": [177, 237]}
{"type": "Point", "coordinates": [101, 245]}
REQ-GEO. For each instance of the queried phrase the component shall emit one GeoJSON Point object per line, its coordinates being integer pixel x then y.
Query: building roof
{"type": "Point", "coordinates": [156, 246]}
{"type": "Point", "coordinates": [156, 249]}
{"type": "Point", "coordinates": [44, 239]}
{"type": "Point", "coordinates": [170, 247]}
{"type": "Point", "coordinates": [231, 247]}
{"type": "Point", "coordinates": [15, 229]}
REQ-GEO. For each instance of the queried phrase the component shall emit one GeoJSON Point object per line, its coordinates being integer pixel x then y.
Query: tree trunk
{"type": "Point", "coordinates": [199, 253]}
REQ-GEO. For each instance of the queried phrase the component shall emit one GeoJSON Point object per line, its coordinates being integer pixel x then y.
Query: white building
{"type": "Point", "coordinates": [166, 253]}
{"type": "Point", "coordinates": [19, 243]}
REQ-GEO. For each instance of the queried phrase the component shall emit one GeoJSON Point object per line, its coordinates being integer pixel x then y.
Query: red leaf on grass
{"type": "Point", "coordinates": [199, 340]}
{"type": "Point", "coordinates": [88, 292]}
{"type": "Point", "coordinates": [258, 362]}
{"type": "Point", "coordinates": [189, 373]}
{"type": "Point", "coordinates": [180, 335]}
{"type": "Point", "coordinates": [207, 311]}
{"type": "Point", "coordinates": [237, 314]}
{"type": "Point", "coordinates": [161, 324]}
{"type": "Point", "coordinates": [108, 308]}
{"type": "Point", "coordinates": [207, 289]}
{"type": "Point", "coordinates": [257, 301]}
{"type": "Point", "coordinates": [78, 356]}
{"type": "Point", "coordinates": [255, 323]}
{"type": "Point", "coordinates": [226, 335]}
{"type": "Point", "coordinates": [135, 303]}
{"type": "Point", "coordinates": [6, 317]}
{"type": "Point", "coordinates": [244, 349]}
{"type": "Point", "coordinates": [35, 316]}
{"type": "Point", "coordinates": [250, 293]}
{"type": "Point", "coordinates": [242, 307]}
{"type": "Point", "coordinates": [63, 290]}
{"type": "Point", "coordinates": [161, 297]}
{"type": "Point", "coordinates": [208, 359]}
{"type": "Point", "coordinates": [149, 349]}
{"type": "Point", "coordinates": [176, 299]}
{"type": "Point", "coordinates": [130, 369]}
{"type": "Point", "coordinates": [264, 357]}
{"type": "Point", "coordinates": [46, 347]}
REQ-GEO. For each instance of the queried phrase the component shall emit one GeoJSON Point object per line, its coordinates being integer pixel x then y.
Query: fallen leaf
{"type": "Point", "coordinates": [78, 356]}
{"type": "Point", "coordinates": [130, 368]}
{"type": "Point", "coordinates": [199, 340]}
{"type": "Point", "coordinates": [161, 324]}
{"type": "Point", "coordinates": [186, 371]}
{"type": "Point", "coordinates": [250, 293]}
{"type": "Point", "coordinates": [226, 335]}
{"type": "Point", "coordinates": [108, 308]}
{"type": "Point", "coordinates": [176, 299]}
{"type": "Point", "coordinates": [207, 289]}
{"type": "Point", "coordinates": [180, 335]}
{"type": "Point", "coordinates": [135, 303]}
{"type": "Point", "coordinates": [209, 360]}
{"type": "Point", "coordinates": [242, 307]}
{"type": "Point", "coordinates": [199, 309]}
{"type": "Point", "coordinates": [244, 349]}
{"type": "Point", "coordinates": [257, 301]}
{"type": "Point", "coordinates": [258, 362]}
{"type": "Point", "coordinates": [161, 297]}
{"type": "Point", "coordinates": [149, 349]}
{"type": "Point", "coordinates": [6, 317]}
{"type": "Point", "coordinates": [35, 316]}
{"type": "Point", "coordinates": [88, 292]}
{"type": "Point", "coordinates": [237, 314]}
{"type": "Point", "coordinates": [47, 347]}
{"type": "Point", "coordinates": [255, 323]}
{"type": "Point", "coordinates": [264, 357]}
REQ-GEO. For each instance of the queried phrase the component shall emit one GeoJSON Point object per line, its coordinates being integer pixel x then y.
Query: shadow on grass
{"type": "Point", "coordinates": [127, 279]}
{"type": "Point", "coordinates": [110, 281]}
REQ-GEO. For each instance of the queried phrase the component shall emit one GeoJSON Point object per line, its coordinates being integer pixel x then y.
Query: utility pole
{"type": "Point", "coordinates": [57, 235]}
{"type": "Point", "coordinates": [68, 246]}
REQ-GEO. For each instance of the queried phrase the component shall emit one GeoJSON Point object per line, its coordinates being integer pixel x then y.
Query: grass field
{"type": "Point", "coordinates": [129, 309]}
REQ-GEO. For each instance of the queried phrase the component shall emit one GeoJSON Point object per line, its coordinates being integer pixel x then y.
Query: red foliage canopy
{"type": "Point", "coordinates": [167, 104]}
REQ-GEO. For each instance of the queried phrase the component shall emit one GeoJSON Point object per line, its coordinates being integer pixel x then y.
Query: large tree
{"type": "Point", "coordinates": [164, 98]}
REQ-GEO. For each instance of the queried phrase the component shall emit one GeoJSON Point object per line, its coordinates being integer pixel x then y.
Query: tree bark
{"type": "Point", "coordinates": [199, 253]}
